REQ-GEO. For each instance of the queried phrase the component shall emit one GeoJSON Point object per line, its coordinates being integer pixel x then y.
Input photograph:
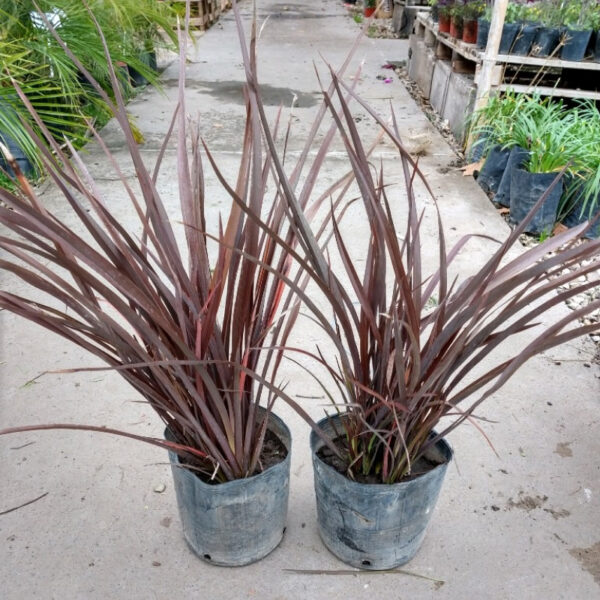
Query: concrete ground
{"type": "Point", "coordinates": [524, 524]}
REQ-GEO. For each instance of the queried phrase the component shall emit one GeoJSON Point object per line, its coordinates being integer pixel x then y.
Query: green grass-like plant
{"type": "Point", "coordinates": [32, 57]}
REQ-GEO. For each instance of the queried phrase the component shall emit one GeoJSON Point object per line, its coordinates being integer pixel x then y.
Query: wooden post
{"type": "Point", "coordinates": [484, 84]}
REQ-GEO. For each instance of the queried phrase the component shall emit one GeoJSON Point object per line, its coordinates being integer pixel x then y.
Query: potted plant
{"type": "Point", "coordinates": [456, 20]}
{"type": "Point", "coordinates": [547, 39]}
{"type": "Point", "coordinates": [512, 26]}
{"type": "Point", "coordinates": [595, 23]}
{"type": "Point", "coordinates": [63, 98]}
{"type": "Point", "coordinates": [582, 198]}
{"type": "Point", "coordinates": [483, 25]}
{"type": "Point", "coordinates": [409, 347]}
{"type": "Point", "coordinates": [445, 15]}
{"type": "Point", "coordinates": [200, 337]}
{"type": "Point", "coordinates": [472, 10]}
{"type": "Point", "coordinates": [510, 129]}
{"type": "Point", "coordinates": [435, 15]}
{"type": "Point", "coordinates": [530, 24]}
{"type": "Point", "coordinates": [578, 28]}
{"type": "Point", "coordinates": [370, 6]}
{"type": "Point", "coordinates": [550, 131]}
{"type": "Point", "coordinates": [492, 126]}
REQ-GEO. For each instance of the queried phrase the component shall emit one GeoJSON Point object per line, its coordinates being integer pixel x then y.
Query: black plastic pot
{"type": "Point", "coordinates": [491, 173]}
{"type": "Point", "coordinates": [595, 44]}
{"type": "Point", "coordinates": [580, 213]}
{"type": "Point", "coordinates": [23, 162]}
{"type": "Point", "coordinates": [525, 190]}
{"type": "Point", "coordinates": [483, 31]}
{"type": "Point", "coordinates": [477, 150]}
{"type": "Point", "coordinates": [516, 159]}
{"type": "Point", "coordinates": [524, 40]}
{"type": "Point", "coordinates": [545, 42]}
{"type": "Point", "coordinates": [374, 526]}
{"type": "Point", "coordinates": [435, 13]}
{"type": "Point", "coordinates": [136, 78]}
{"type": "Point", "coordinates": [26, 166]}
{"type": "Point", "coordinates": [576, 43]}
{"type": "Point", "coordinates": [238, 522]}
{"type": "Point", "coordinates": [509, 33]}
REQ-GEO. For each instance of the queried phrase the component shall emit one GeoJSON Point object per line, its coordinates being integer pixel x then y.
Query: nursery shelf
{"type": "Point", "coordinates": [203, 13]}
{"type": "Point", "coordinates": [530, 74]}
{"type": "Point", "coordinates": [472, 53]}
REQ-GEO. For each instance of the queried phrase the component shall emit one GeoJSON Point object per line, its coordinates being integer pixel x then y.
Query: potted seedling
{"type": "Point", "coordinates": [472, 10]}
{"type": "Point", "coordinates": [550, 131]}
{"type": "Point", "coordinates": [513, 135]}
{"type": "Point", "coordinates": [529, 15]}
{"type": "Point", "coordinates": [595, 23]}
{"type": "Point", "coordinates": [370, 6]}
{"type": "Point", "coordinates": [483, 25]}
{"type": "Point", "coordinates": [491, 127]}
{"type": "Point", "coordinates": [456, 20]}
{"type": "Point", "coordinates": [435, 8]}
{"type": "Point", "coordinates": [512, 26]}
{"type": "Point", "coordinates": [582, 196]}
{"type": "Point", "coordinates": [408, 366]}
{"type": "Point", "coordinates": [547, 39]}
{"type": "Point", "coordinates": [578, 29]}
{"type": "Point", "coordinates": [445, 15]}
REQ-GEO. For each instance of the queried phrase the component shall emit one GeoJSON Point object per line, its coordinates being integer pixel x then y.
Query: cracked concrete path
{"type": "Point", "coordinates": [524, 523]}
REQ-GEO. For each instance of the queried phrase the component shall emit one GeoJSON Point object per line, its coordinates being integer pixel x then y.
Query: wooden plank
{"type": "Point", "coordinates": [538, 61]}
{"type": "Point", "coordinates": [551, 91]}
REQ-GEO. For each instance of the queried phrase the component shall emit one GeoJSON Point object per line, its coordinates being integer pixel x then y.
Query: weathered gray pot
{"type": "Point", "coordinates": [238, 522]}
{"type": "Point", "coordinates": [374, 526]}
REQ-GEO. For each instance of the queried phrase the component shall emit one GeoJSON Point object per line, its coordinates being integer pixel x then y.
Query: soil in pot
{"type": "Point", "coordinates": [491, 173]}
{"type": "Point", "coordinates": [545, 42]}
{"type": "Point", "coordinates": [509, 33]}
{"type": "Point", "coordinates": [237, 522]}
{"type": "Point", "coordinates": [524, 40]}
{"type": "Point", "coordinates": [483, 31]}
{"type": "Point", "coordinates": [375, 526]}
{"type": "Point", "coordinates": [423, 465]}
{"type": "Point", "coordinates": [576, 43]}
{"type": "Point", "coordinates": [444, 24]}
{"type": "Point", "coordinates": [470, 32]}
{"type": "Point", "coordinates": [517, 158]}
{"type": "Point", "coordinates": [525, 190]}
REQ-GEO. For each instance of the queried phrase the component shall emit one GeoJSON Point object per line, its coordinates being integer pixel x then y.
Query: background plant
{"type": "Point", "coordinates": [63, 98]}
{"type": "Point", "coordinates": [557, 136]}
{"type": "Point", "coordinates": [424, 347]}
